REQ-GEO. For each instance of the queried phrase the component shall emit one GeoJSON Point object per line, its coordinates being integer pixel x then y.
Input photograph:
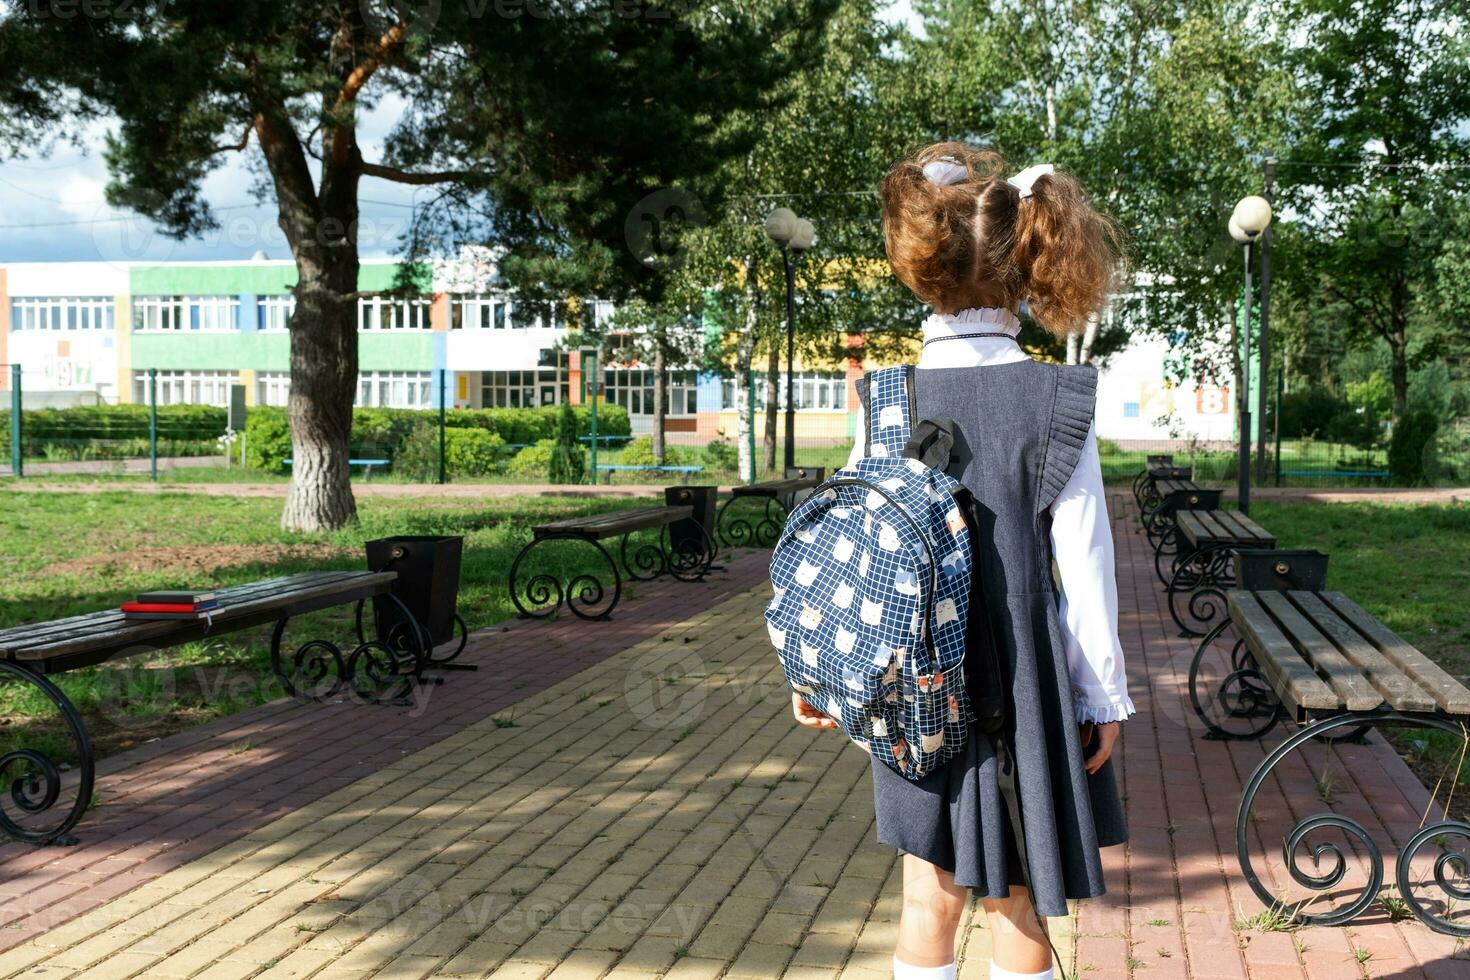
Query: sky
{"type": "Point", "coordinates": [52, 207]}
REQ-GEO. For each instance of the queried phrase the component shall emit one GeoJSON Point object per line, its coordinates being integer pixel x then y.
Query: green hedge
{"type": "Point", "coordinates": [383, 432]}
{"type": "Point", "coordinates": [116, 431]}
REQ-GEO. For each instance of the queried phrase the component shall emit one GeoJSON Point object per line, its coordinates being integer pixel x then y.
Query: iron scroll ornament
{"type": "Point", "coordinates": [380, 671]}
{"type": "Point", "coordinates": [31, 781]}
{"type": "Point", "coordinates": [1449, 861]}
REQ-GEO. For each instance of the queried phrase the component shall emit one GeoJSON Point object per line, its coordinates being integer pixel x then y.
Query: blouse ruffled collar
{"type": "Point", "coordinates": [975, 320]}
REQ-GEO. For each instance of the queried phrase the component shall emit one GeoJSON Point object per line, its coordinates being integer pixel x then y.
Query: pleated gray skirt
{"type": "Point", "coordinates": [956, 818]}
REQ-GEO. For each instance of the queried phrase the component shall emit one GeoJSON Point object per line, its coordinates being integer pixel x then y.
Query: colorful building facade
{"type": "Point", "coordinates": [91, 332]}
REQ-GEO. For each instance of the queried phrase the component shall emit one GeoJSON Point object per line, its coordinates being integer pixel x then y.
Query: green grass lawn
{"type": "Point", "coordinates": [74, 553]}
{"type": "Point", "coordinates": [1410, 567]}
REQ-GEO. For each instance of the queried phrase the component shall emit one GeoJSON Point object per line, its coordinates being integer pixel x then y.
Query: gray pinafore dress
{"type": "Point", "coordinates": [1020, 429]}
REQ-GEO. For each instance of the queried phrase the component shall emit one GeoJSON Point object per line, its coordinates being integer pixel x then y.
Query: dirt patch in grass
{"type": "Point", "coordinates": [199, 561]}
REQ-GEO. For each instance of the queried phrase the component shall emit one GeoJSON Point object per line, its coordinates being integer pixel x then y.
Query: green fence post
{"type": "Point", "coordinates": [153, 424]}
{"type": "Point", "coordinates": [17, 455]}
{"type": "Point", "coordinates": [589, 384]}
{"type": "Point", "coordinates": [750, 433]}
{"type": "Point", "coordinates": [1276, 417]}
{"type": "Point", "coordinates": [443, 374]}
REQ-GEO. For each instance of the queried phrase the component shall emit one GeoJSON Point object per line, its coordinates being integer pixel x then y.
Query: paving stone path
{"type": "Point", "coordinates": [651, 811]}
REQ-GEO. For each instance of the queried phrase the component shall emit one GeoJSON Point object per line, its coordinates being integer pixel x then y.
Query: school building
{"type": "Point", "coordinates": [90, 332]}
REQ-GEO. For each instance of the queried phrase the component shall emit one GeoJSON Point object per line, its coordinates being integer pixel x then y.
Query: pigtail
{"type": "Point", "coordinates": [1067, 255]}
{"type": "Point", "coordinates": [930, 229]}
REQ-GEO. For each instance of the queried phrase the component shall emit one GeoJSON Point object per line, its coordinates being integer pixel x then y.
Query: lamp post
{"type": "Point", "coordinates": [1252, 216]}
{"type": "Point", "coordinates": [792, 236]}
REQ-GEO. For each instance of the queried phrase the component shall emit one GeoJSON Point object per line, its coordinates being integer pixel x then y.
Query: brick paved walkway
{"type": "Point", "coordinates": [656, 814]}
{"type": "Point", "coordinates": [171, 801]}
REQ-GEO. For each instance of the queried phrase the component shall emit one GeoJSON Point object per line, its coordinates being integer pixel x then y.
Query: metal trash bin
{"type": "Point", "coordinates": [1279, 570]}
{"type": "Point", "coordinates": [427, 583]}
{"type": "Point", "coordinates": [703, 500]}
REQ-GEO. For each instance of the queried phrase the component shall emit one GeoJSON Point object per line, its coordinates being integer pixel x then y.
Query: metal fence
{"type": "Point", "coordinates": [704, 449]}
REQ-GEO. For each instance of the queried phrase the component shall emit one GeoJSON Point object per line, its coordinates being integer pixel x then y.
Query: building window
{"type": "Point", "coordinates": [187, 387]}
{"type": "Point", "coordinates": [633, 390]}
{"type": "Point", "coordinates": [819, 390]}
{"type": "Point", "coordinates": [185, 312]}
{"type": "Point", "coordinates": [274, 312]}
{"type": "Point", "coordinates": [1130, 410]}
{"type": "Point", "coordinates": [394, 389]}
{"type": "Point", "coordinates": [392, 313]}
{"type": "Point", "coordinates": [521, 389]}
{"type": "Point", "coordinates": [481, 312]}
{"type": "Point", "coordinates": [62, 313]}
{"type": "Point", "coordinates": [273, 388]}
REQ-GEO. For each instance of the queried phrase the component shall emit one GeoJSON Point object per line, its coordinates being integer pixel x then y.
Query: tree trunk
{"type": "Point", "coordinates": [319, 223]}
{"type": "Point", "coordinates": [773, 399]}
{"type": "Point", "coordinates": [660, 395]}
{"type": "Point", "coordinates": [1073, 347]}
{"type": "Point", "coordinates": [1399, 372]}
{"type": "Point", "coordinates": [323, 385]}
{"type": "Point", "coordinates": [744, 356]}
{"type": "Point", "coordinates": [1089, 338]}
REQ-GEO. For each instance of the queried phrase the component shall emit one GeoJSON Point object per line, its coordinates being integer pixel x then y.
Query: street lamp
{"type": "Point", "coordinates": [792, 236]}
{"type": "Point", "coordinates": [1252, 216]}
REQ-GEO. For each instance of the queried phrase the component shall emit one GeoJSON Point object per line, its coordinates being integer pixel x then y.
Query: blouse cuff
{"type": "Point", "coordinates": [1102, 713]}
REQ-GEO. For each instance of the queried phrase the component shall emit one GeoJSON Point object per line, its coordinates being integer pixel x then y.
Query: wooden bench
{"type": "Point", "coordinates": [686, 557]}
{"type": "Point", "coordinates": [1320, 660]}
{"type": "Point", "coordinates": [1203, 563]}
{"type": "Point", "coordinates": [1155, 469]}
{"type": "Point", "coordinates": [1170, 497]}
{"type": "Point", "coordinates": [777, 497]}
{"type": "Point", "coordinates": [684, 472]}
{"type": "Point", "coordinates": [381, 669]}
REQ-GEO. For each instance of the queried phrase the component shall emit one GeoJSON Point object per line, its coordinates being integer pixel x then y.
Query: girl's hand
{"type": "Point", "coordinates": [806, 715]}
{"type": "Point", "coordinates": [1107, 735]}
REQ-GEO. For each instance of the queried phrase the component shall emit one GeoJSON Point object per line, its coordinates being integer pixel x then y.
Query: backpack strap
{"type": "Point", "coordinates": [890, 409]}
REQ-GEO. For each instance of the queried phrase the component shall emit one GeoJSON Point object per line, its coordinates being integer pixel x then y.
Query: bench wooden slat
{"type": "Point", "coordinates": [1398, 689]}
{"type": "Point", "coordinates": [774, 488]}
{"type": "Point", "coordinates": [1354, 690]}
{"type": "Point", "coordinates": [1292, 678]}
{"type": "Point", "coordinates": [1245, 530]}
{"type": "Point", "coordinates": [618, 522]}
{"type": "Point", "coordinates": [1216, 530]}
{"type": "Point", "coordinates": [1191, 526]}
{"type": "Point", "coordinates": [240, 606]}
{"type": "Point", "coordinates": [1452, 696]}
{"type": "Point", "coordinates": [17, 636]}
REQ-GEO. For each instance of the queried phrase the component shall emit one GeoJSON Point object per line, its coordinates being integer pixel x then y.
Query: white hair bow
{"type": "Point", "coordinates": [945, 171]}
{"type": "Point", "coordinates": [1023, 180]}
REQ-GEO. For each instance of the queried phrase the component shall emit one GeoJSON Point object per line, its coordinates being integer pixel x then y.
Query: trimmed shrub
{"type": "Point", "coordinates": [722, 454]}
{"type": "Point", "coordinates": [1411, 448]}
{"type": "Point", "coordinates": [382, 432]}
{"type": "Point", "coordinates": [116, 431]}
{"type": "Point", "coordinates": [568, 464]}
{"type": "Point", "coordinates": [533, 462]}
{"type": "Point", "coordinates": [467, 452]}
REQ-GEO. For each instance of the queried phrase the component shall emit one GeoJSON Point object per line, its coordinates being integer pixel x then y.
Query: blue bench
{"type": "Point", "coordinates": [367, 473]}
{"type": "Point", "coordinates": [685, 472]}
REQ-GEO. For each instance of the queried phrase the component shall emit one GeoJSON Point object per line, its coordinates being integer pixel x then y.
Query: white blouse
{"type": "Point", "coordinates": [1081, 538]}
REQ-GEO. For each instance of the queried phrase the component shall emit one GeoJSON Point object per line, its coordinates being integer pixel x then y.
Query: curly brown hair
{"type": "Point", "coordinates": [976, 242]}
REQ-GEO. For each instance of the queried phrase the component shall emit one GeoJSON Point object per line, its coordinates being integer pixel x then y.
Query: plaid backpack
{"type": "Point", "coordinates": [872, 590]}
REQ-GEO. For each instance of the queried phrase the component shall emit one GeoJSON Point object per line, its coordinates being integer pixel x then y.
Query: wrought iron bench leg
{"type": "Point", "coordinates": [1202, 575]}
{"type": "Point", "coordinates": [1166, 549]}
{"type": "Point", "coordinates": [688, 561]}
{"type": "Point", "coordinates": [1243, 694]}
{"type": "Point", "coordinates": [543, 593]}
{"type": "Point", "coordinates": [740, 532]}
{"type": "Point", "coordinates": [1448, 862]}
{"type": "Point", "coordinates": [382, 670]}
{"type": "Point", "coordinates": [32, 779]}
